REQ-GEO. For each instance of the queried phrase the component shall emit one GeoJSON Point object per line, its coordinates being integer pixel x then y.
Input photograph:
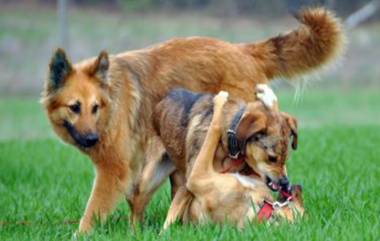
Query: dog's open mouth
{"type": "Point", "coordinates": [248, 171]}
{"type": "Point", "coordinates": [271, 184]}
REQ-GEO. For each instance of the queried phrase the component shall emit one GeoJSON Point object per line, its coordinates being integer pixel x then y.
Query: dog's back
{"type": "Point", "coordinates": [179, 113]}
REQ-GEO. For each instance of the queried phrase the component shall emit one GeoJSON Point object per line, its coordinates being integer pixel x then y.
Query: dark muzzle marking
{"type": "Point", "coordinates": [86, 140]}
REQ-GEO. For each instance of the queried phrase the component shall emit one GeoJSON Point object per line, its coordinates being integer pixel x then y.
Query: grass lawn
{"type": "Point", "coordinates": [44, 184]}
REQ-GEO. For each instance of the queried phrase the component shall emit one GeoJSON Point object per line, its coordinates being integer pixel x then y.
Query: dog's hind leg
{"type": "Point", "coordinates": [153, 175]}
{"type": "Point", "coordinates": [177, 179]}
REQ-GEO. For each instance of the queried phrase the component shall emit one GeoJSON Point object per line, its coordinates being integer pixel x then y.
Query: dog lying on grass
{"type": "Point", "coordinates": [228, 159]}
{"type": "Point", "coordinates": [104, 106]}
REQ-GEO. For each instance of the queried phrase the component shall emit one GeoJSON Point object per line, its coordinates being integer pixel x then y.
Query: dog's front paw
{"type": "Point", "coordinates": [266, 95]}
{"type": "Point", "coordinates": [220, 99]}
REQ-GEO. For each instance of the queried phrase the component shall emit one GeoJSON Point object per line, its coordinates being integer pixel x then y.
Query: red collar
{"type": "Point", "coordinates": [266, 210]}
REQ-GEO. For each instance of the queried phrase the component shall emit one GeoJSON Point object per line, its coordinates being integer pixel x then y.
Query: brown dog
{"type": "Point", "coordinates": [255, 133]}
{"type": "Point", "coordinates": [104, 106]}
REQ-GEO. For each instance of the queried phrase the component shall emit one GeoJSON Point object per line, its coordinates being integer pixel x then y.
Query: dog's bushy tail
{"type": "Point", "coordinates": [317, 42]}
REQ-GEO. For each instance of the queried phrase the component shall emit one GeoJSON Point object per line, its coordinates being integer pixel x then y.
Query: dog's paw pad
{"type": "Point", "coordinates": [266, 95]}
{"type": "Point", "coordinates": [223, 94]}
{"type": "Point", "coordinates": [221, 97]}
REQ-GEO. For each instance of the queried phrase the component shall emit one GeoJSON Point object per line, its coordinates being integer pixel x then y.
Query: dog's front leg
{"type": "Point", "coordinates": [110, 182]}
{"type": "Point", "coordinates": [203, 164]}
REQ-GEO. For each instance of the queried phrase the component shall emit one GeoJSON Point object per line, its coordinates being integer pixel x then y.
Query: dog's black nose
{"type": "Point", "coordinates": [91, 139]}
{"type": "Point", "coordinates": [284, 183]}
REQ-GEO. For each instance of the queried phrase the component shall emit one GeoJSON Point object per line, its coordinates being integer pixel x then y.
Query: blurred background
{"type": "Point", "coordinates": [31, 29]}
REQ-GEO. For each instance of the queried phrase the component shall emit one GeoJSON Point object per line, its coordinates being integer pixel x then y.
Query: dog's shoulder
{"type": "Point", "coordinates": [191, 104]}
{"type": "Point", "coordinates": [184, 97]}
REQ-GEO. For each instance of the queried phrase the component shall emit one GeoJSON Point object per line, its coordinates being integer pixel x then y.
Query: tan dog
{"type": "Point", "coordinates": [104, 106]}
{"type": "Point", "coordinates": [208, 194]}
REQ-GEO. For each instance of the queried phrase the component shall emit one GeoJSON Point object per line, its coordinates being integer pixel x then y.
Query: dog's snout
{"type": "Point", "coordinates": [284, 182]}
{"type": "Point", "coordinates": [91, 139]}
{"type": "Point", "coordinates": [84, 140]}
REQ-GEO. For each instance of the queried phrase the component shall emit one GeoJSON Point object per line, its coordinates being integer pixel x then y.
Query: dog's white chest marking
{"type": "Point", "coordinates": [266, 95]}
{"type": "Point", "coordinates": [245, 181]}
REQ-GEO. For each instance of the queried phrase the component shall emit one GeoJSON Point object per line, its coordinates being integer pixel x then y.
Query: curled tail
{"type": "Point", "coordinates": [316, 43]}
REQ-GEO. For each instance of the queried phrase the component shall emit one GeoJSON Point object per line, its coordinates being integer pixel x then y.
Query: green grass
{"type": "Point", "coordinates": [44, 184]}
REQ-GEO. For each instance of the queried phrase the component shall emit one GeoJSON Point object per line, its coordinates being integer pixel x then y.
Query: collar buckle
{"type": "Point", "coordinates": [278, 205]}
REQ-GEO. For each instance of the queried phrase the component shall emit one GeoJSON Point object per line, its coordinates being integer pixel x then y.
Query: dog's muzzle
{"type": "Point", "coordinates": [84, 140]}
{"type": "Point", "coordinates": [283, 184]}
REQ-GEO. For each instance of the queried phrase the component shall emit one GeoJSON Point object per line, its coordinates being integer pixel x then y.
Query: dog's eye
{"type": "Point", "coordinates": [95, 108]}
{"type": "Point", "coordinates": [257, 137]}
{"type": "Point", "coordinates": [75, 108]}
{"type": "Point", "coordinates": [272, 158]}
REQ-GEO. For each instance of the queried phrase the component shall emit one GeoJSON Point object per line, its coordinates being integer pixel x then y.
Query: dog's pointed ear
{"type": "Point", "coordinates": [293, 125]}
{"type": "Point", "coordinates": [59, 68]}
{"type": "Point", "coordinates": [100, 67]}
{"type": "Point", "coordinates": [250, 124]}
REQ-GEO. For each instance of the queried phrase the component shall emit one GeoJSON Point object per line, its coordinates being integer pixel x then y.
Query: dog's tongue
{"type": "Point", "coordinates": [273, 186]}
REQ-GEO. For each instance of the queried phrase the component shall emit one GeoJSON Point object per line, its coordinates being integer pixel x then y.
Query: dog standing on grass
{"type": "Point", "coordinates": [104, 105]}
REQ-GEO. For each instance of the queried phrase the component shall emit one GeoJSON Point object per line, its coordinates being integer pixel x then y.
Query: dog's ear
{"type": "Point", "coordinates": [99, 69]}
{"type": "Point", "coordinates": [293, 125]}
{"type": "Point", "coordinates": [250, 124]}
{"type": "Point", "coordinates": [59, 68]}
